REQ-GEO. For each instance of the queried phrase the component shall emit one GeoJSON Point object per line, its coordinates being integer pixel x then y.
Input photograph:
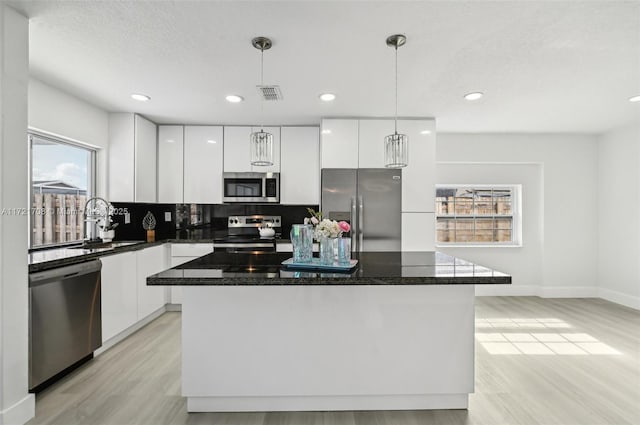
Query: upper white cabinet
{"type": "Point", "coordinates": [419, 176]}
{"type": "Point", "coordinates": [371, 142]}
{"type": "Point", "coordinates": [132, 158]}
{"type": "Point", "coordinates": [203, 159]}
{"type": "Point", "coordinates": [237, 157]}
{"type": "Point", "coordinates": [300, 165]}
{"type": "Point", "coordinates": [170, 164]}
{"type": "Point", "coordinates": [339, 143]}
{"type": "Point", "coordinates": [237, 150]}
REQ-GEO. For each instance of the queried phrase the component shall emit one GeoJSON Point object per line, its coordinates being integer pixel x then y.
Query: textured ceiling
{"type": "Point", "coordinates": [544, 66]}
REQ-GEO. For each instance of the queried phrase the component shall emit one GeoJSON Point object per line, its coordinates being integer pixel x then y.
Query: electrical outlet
{"type": "Point", "coordinates": [127, 218]}
{"type": "Point", "coordinates": [167, 216]}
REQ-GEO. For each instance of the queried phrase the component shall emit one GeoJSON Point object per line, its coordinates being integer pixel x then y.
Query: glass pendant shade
{"type": "Point", "coordinates": [396, 150]}
{"type": "Point", "coordinates": [261, 148]}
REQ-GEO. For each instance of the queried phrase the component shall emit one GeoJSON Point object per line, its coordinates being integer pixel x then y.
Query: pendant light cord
{"type": "Point", "coordinates": [396, 120]}
{"type": "Point", "coordinates": [261, 88]}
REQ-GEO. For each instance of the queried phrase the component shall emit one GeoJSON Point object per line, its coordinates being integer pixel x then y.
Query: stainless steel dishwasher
{"type": "Point", "coordinates": [65, 325]}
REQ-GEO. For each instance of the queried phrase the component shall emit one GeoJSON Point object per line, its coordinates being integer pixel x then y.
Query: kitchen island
{"type": "Point", "coordinates": [397, 332]}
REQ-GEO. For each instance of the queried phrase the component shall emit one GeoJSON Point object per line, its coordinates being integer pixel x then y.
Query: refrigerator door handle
{"type": "Point", "coordinates": [360, 223]}
{"type": "Point", "coordinates": [354, 225]}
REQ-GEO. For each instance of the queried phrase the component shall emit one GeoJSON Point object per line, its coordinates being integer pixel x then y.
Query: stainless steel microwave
{"type": "Point", "coordinates": [251, 187]}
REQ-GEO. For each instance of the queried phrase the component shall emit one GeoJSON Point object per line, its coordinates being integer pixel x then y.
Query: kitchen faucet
{"type": "Point", "coordinates": [97, 215]}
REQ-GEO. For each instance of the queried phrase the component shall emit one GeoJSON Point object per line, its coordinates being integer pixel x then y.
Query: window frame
{"type": "Point", "coordinates": [91, 186]}
{"type": "Point", "coordinates": [516, 216]}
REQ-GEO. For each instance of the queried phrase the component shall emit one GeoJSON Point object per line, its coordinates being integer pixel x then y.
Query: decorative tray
{"type": "Point", "coordinates": [315, 265]}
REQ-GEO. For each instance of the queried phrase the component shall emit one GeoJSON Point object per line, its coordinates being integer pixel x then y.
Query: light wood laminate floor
{"type": "Point", "coordinates": [538, 361]}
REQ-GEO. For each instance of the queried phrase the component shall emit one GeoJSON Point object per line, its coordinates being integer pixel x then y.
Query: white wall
{"type": "Point", "coordinates": [58, 113]}
{"type": "Point", "coordinates": [619, 213]}
{"type": "Point", "coordinates": [564, 245]}
{"type": "Point", "coordinates": [16, 404]}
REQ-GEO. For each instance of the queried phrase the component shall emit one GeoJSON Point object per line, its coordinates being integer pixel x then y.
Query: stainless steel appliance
{"type": "Point", "coordinates": [65, 324]}
{"type": "Point", "coordinates": [243, 235]}
{"type": "Point", "coordinates": [251, 187]}
{"type": "Point", "coordinates": [370, 200]}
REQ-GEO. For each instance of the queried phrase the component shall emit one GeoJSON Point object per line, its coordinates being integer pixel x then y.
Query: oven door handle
{"type": "Point", "coordinates": [242, 245]}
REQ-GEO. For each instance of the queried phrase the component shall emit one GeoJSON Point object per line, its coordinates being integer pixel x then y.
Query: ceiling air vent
{"type": "Point", "coordinates": [270, 92]}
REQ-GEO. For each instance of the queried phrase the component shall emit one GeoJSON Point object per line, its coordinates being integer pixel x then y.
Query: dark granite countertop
{"type": "Point", "coordinates": [374, 268]}
{"type": "Point", "coordinates": [46, 259]}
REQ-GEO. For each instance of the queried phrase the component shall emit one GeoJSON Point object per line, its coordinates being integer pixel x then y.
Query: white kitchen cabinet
{"type": "Point", "coordinates": [132, 158]}
{"type": "Point", "coordinates": [371, 142]}
{"type": "Point", "coordinates": [182, 253]}
{"type": "Point", "coordinates": [236, 149]}
{"type": "Point", "coordinates": [203, 159]}
{"type": "Point", "coordinates": [119, 293]}
{"type": "Point", "coordinates": [339, 143]}
{"type": "Point", "coordinates": [418, 232]}
{"type": "Point", "coordinates": [300, 166]}
{"type": "Point", "coordinates": [419, 176]}
{"type": "Point", "coordinates": [171, 164]}
{"type": "Point", "coordinates": [150, 261]}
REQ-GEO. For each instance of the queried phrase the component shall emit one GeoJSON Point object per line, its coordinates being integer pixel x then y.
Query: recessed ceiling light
{"type": "Point", "coordinates": [635, 98]}
{"type": "Point", "coordinates": [425, 132]}
{"type": "Point", "coordinates": [234, 98]}
{"type": "Point", "coordinates": [171, 141]}
{"type": "Point", "coordinates": [212, 142]}
{"type": "Point", "coordinates": [140, 97]}
{"type": "Point", "coordinates": [327, 97]}
{"type": "Point", "coordinates": [326, 131]}
{"type": "Point", "coordinates": [473, 96]}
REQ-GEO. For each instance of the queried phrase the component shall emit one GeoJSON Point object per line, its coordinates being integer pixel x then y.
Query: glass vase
{"type": "Point", "coordinates": [327, 253]}
{"type": "Point", "coordinates": [302, 242]}
{"type": "Point", "coordinates": [344, 251]}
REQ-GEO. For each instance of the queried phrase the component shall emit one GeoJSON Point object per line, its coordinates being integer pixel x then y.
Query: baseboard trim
{"type": "Point", "coordinates": [506, 290]}
{"type": "Point", "coordinates": [568, 292]}
{"type": "Point", "coordinates": [20, 413]}
{"type": "Point", "coordinates": [130, 330]}
{"type": "Point", "coordinates": [619, 298]}
{"type": "Point", "coordinates": [325, 403]}
{"type": "Point", "coordinates": [174, 307]}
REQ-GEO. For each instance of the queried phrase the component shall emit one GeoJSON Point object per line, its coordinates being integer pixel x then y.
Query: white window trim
{"type": "Point", "coordinates": [91, 188]}
{"type": "Point", "coordinates": [516, 207]}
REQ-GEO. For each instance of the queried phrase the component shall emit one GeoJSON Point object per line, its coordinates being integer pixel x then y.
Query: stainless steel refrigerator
{"type": "Point", "coordinates": [370, 199]}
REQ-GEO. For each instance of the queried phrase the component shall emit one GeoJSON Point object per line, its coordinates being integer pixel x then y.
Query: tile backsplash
{"type": "Point", "coordinates": [198, 221]}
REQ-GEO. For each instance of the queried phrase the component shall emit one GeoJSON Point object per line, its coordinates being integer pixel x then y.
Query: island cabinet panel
{"type": "Point", "coordinates": [119, 293]}
{"type": "Point", "coordinates": [150, 261]}
{"type": "Point", "coordinates": [327, 347]}
{"type": "Point", "coordinates": [419, 176]}
{"type": "Point", "coordinates": [132, 158]}
{"type": "Point", "coordinates": [203, 159]}
{"type": "Point", "coordinates": [171, 164]}
{"type": "Point", "coordinates": [300, 166]}
{"type": "Point", "coordinates": [371, 142]}
{"type": "Point", "coordinates": [339, 143]}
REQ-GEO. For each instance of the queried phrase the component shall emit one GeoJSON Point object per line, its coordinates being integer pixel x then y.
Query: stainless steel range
{"type": "Point", "coordinates": [243, 234]}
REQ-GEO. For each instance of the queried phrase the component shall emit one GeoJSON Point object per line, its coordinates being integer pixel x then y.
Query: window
{"type": "Point", "coordinates": [477, 215]}
{"type": "Point", "coordinates": [62, 179]}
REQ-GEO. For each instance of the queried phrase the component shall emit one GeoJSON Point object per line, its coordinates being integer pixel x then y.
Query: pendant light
{"type": "Point", "coordinates": [396, 145]}
{"type": "Point", "coordinates": [261, 141]}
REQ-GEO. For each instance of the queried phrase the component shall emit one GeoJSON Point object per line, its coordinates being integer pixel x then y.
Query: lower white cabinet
{"type": "Point", "coordinates": [119, 293]}
{"type": "Point", "coordinates": [150, 261]}
{"type": "Point", "coordinates": [182, 253]}
{"type": "Point", "coordinates": [126, 298]}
